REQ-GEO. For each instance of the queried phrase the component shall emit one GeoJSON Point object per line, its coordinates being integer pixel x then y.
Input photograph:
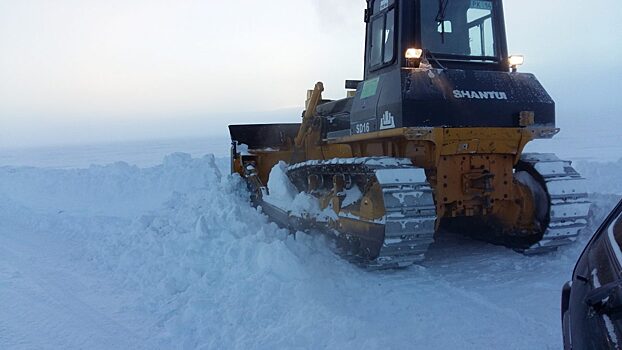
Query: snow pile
{"type": "Point", "coordinates": [217, 273]}
{"type": "Point", "coordinates": [283, 194]}
{"type": "Point", "coordinates": [281, 191]}
{"type": "Point", "coordinates": [193, 265]}
{"type": "Point", "coordinates": [118, 189]}
{"type": "Point", "coordinates": [211, 269]}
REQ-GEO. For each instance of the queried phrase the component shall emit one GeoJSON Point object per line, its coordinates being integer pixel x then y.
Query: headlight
{"type": "Point", "coordinates": [414, 53]}
{"type": "Point", "coordinates": [516, 60]}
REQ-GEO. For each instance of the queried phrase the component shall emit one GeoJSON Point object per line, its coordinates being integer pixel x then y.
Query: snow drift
{"type": "Point", "coordinates": [192, 265]}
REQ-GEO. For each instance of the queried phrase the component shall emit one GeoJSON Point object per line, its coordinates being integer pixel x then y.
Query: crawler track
{"type": "Point", "coordinates": [568, 198]}
{"type": "Point", "coordinates": [398, 238]}
{"type": "Point", "coordinates": [401, 231]}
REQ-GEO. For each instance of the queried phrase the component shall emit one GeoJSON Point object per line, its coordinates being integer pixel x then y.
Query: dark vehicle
{"type": "Point", "coordinates": [592, 301]}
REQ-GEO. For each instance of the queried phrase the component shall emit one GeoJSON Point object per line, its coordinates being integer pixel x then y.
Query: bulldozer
{"type": "Point", "coordinates": [430, 141]}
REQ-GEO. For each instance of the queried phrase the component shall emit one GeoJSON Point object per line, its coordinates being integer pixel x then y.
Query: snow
{"type": "Point", "coordinates": [243, 149]}
{"type": "Point", "coordinates": [592, 138]}
{"type": "Point", "coordinates": [284, 195]}
{"type": "Point", "coordinates": [401, 176]}
{"type": "Point", "coordinates": [611, 330]}
{"type": "Point", "coordinates": [371, 161]}
{"type": "Point", "coordinates": [567, 186]}
{"type": "Point", "coordinates": [145, 153]}
{"type": "Point", "coordinates": [353, 195]}
{"type": "Point", "coordinates": [572, 210]}
{"type": "Point", "coordinates": [602, 177]}
{"type": "Point", "coordinates": [551, 168]}
{"type": "Point", "coordinates": [281, 191]}
{"type": "Point", "coordinates": [306, 205]}
{"type": "Point", "coordinates": [170, 254]}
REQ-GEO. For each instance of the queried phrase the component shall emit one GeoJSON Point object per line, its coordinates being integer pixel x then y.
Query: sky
{"type": "Point", "coordinates": [76, 71]}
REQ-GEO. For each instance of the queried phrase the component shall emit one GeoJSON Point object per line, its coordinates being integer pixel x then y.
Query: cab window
{"type": "Point", "coordinates": [480, 31]}
{"type": "Point", "coordinates": [383, 38]}
{"type": "Point", "coordinates": [461, 28]}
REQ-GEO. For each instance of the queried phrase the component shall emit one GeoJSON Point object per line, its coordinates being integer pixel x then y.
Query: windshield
{"type": "Point", "coordinates": [459, 28]}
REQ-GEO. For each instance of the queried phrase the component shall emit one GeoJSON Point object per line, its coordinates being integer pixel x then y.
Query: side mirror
{"type": "Point", "coordinates": [606, 299]}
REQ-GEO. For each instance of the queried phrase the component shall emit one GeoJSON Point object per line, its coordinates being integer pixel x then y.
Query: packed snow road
{"type": "Point", "coordinates": [174, 256]}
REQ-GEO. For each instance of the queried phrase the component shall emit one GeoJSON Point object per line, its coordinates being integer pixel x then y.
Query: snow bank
{"type": "Point", "coordinates": [212, 272]}
{"type": "Point", "coordinates": [145, 153]}
{"type": "Point", "coordinates": [203, 263]}
{"type": "Point", "coordinates": [219, 275]}
{"type": "Point", "coordinates": [185, 239]}
{"type": "Point", "coordinates": [118, 189]}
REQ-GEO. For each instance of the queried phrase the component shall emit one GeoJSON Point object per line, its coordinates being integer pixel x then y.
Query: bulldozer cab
{"type": "Point", "coordinates": [441, 63]}
{"type": "Point", "coordinates": [460, 34]}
